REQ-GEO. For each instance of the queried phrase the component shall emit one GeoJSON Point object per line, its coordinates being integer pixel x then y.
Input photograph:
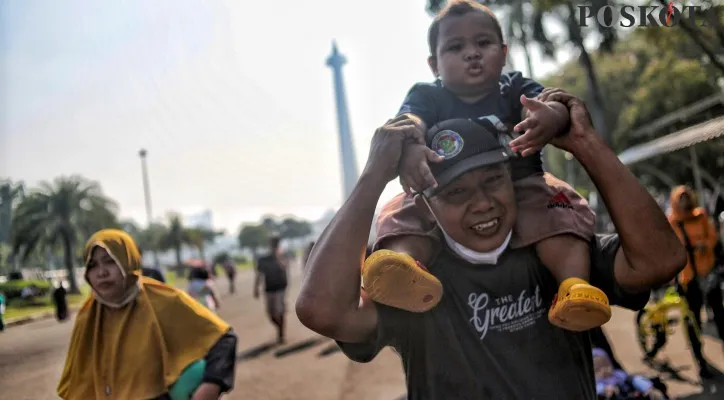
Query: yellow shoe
{"type": "Point", "coordinates": [397, 280]}
{"type": "Point", "coordinates": [578, 306]}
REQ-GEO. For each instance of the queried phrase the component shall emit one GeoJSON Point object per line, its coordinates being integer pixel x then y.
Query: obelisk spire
{"type": "Point", "coordinates": [348, 159]}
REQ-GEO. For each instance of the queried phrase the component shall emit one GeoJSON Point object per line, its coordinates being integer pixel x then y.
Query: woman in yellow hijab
{"type": "Point", "coordinates": [134, 337]}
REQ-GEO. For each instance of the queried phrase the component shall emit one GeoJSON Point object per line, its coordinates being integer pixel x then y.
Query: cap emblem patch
{"type": "Point", "coordinates": [447, 143]}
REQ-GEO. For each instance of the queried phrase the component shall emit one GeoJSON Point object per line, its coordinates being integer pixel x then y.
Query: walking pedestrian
{"type": "Point", "coordinates": [202, 289]}
{"type": "Point", "coordinates": [60, 301]}
{"type": "Point", "coordinates": [2, 311]}
{"type": "Point", "coordinates": [699, 282]}
{"type": "Point", "coordinates": [272, 268]}
{"type": "Point", "coordinates": [230, 271]}
{"type": "Point", "coordinates": [137, 338]}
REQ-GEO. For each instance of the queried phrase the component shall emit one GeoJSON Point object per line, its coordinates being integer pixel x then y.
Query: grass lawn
{"type": "Point", "coordinates": [41, 305]}
{"type": "Point", "coordinates": [246, 265]}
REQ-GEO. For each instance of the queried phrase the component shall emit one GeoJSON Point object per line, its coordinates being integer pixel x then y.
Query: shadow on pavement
{"type": "Point", "coordinates": [667, 372]}
{"type": "Point", "coordinates": [329, 350]}
{"type": "Point", "coordinates": [255, 351]}
{"type": "Point", "coordinates": [712, 390]}
{"type": "Point", "coordinates": [300, 346]}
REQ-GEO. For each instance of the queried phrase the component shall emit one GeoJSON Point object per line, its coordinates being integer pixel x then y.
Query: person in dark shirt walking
{"type": "Point", "coordinates": [273, 269]}
{"type": "Point", "coordinates": [60, 300]}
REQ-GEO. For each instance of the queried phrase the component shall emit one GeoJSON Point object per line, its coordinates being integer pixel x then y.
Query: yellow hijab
{"type": "Point", "coordinates": [139, 350]}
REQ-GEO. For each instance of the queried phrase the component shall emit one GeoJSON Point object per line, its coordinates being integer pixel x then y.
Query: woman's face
{"type": "Point", "coordinates": [105, 276]}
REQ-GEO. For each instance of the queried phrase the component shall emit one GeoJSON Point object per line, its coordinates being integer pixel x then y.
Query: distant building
{"type": "Point", "coordinates": [202, 220]}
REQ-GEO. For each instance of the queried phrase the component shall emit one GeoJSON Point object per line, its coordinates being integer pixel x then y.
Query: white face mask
{"type": "Point", "coordinates": [469, 255]}
{"type": "Point", "coordinates": [476, 257]}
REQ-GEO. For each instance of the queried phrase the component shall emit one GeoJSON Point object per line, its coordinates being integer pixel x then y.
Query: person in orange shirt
{"type": "Point", "coordinates": [698, 280]}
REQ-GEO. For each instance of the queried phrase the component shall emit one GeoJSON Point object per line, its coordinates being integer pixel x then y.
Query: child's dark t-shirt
{"type": "Point", "coordinates": [434, 103]}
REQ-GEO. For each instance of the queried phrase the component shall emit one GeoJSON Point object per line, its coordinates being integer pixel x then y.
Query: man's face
{"type": "Point", "coordinates": [478, 209]}
{"type": "Point", "coordinates": [470, 55]}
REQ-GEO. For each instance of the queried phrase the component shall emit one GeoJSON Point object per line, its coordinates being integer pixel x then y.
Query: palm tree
{"type": "Point", "coordinates": [199, 237]}
{"type": "Point", "coordinates": [64, 212]}
{"type": "Point", "coordinates": [175, 237]}
{"type": "Point", "coordinates": [9, 193]}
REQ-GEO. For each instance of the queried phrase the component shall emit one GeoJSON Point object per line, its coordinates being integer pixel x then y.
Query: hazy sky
{"type": "Point", "coordinates": [232, 99]}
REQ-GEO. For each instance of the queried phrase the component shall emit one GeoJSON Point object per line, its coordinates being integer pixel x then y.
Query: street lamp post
{"type": "Point", "coordinates": [147, 195]}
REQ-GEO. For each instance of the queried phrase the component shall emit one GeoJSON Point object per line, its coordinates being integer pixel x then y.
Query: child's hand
{"type": "Point", "coordinates": [543, 122]}
{"type": "Point", "coordinates": [414, 171]}
{"type": "Point", "coordinates": [655, 394]}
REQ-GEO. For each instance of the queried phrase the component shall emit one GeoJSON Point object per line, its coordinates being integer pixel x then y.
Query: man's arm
{"type": "Point", "coordinates": [650, 253]}
{"type": "Point", "coordinates": [329, 301]}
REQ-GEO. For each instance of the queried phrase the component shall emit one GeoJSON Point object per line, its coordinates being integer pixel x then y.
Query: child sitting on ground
{"type": "Point", "coordinates": [467, 57]}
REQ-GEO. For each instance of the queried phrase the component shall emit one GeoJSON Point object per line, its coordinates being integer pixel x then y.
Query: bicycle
{"type": "Point", "coordinates": [655, 322]}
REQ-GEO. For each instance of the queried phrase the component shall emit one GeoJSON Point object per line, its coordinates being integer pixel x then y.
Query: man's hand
{"type": "Point", "coordinates": [415, 174]}
{"type": "Point", "coordinates": [206, 391]}
{"type": "Point", "coordinates": [581, 127]}
{"type": "Point", "coordinates": [386, 147]}
{"type": "Point", "coordinates": [543, 122]}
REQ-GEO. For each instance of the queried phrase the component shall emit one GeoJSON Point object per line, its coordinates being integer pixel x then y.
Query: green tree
{"type": "Point", "coordinates": [175, 237]}
{"type": "Point", "coordinates": [647, 76]}
{"type": "Point", "coordinates": [253, 237]}
{"type": "Point", "coordinates": [200, 236]}
{"type": "Point", "coordinates": [705, 37]}
{"type": "Point", "coordinates": [66, 212]}
{"type": "Point", "coordinates": [292, 228]}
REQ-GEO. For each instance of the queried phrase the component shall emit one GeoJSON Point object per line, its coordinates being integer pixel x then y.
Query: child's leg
{"type": "Point", "coordinates": [565, 256]}
{"type": "Point", "coordinates": [418, 247]}
{"type": "Point", "coordinates": [554, 217]}
{"type": "Point", "coordinates": [395, 275]}
{"type": "Point", "coordinates": [578, 305]}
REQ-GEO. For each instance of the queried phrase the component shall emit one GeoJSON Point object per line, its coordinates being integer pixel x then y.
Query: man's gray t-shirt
{"type": "Point", "coordinates": [489, 338]}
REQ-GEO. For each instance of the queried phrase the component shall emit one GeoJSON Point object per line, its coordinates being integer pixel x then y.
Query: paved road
{"type": "Point", "coordinates": [32, 355]}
